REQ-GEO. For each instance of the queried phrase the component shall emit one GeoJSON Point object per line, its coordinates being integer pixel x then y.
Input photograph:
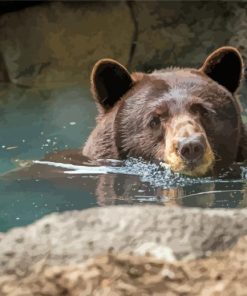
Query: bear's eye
{"type": "Point", "coordinates": [154, 122]}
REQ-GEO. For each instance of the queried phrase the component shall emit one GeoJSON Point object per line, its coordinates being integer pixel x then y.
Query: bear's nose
{"type": "Point", "coordinates": [191, 149]}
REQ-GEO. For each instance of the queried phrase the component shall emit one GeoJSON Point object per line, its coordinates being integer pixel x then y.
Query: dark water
{"type": "Point", "coordinates": [34, 122]}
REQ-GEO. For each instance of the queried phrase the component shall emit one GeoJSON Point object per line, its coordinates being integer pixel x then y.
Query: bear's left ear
{"type": "Point", "coordinates": [225, 66]}
{"type": "Point", "coordinates": [109, 82]}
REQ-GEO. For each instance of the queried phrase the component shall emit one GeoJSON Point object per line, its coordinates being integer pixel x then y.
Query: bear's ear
{"type": "Point", "coordinates": [109, 82]}
{"type": "Point", "coordinates": [225, 66]}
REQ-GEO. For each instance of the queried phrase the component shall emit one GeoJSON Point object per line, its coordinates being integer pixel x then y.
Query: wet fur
{"type": "Point", "coordinates": [121, 130]}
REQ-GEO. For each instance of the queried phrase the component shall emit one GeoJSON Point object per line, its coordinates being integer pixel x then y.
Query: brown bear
{"type": "Point", "coordinates": [187, 118]}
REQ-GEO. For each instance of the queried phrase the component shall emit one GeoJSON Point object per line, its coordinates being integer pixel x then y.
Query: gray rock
{"type": "Point", "coordinates": [59, 42]}
{"type": "Point", "coordinates": [4, 77]}
{"type": "Point", "coordinates": [181, 33]}
{"type": "Point", "coordinates": [72, 237]}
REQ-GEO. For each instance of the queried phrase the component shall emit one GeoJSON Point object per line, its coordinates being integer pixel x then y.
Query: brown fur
{"type": "Point", "coordinates": [146, 115]}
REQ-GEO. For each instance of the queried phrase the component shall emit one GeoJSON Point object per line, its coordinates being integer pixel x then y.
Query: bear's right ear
{"type": "Point", "coordinates": [225, 66]}
{"type": "Point", "coordinates": [109, 82]}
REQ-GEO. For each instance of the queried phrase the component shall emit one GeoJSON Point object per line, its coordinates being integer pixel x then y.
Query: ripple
{"type": "Point", "coordinates": [154, 174]}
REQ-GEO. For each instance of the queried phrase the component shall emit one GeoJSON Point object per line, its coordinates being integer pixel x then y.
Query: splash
{"type": "Point", "coordinates": [157, 175]}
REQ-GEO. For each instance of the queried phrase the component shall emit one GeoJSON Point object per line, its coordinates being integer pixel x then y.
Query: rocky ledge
{"type": "Point", "coordinates": [53, 43]}
{"type": "Point", "coordinates": [62, 249]}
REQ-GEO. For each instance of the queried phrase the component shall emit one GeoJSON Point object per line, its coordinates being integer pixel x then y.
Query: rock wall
{"type": "Point", "coordinates": [182, 33]}
{"type": "Point", "coordinates": [118, 274]}
{"type": "Point", "coordinates": [166, 233]}
{"type": "Point", "coordinates": [57, 43]}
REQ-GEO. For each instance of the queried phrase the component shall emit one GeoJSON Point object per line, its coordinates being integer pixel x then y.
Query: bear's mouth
{"type": "Point", "coordinates": [197, 170]}
{"type": "Point", "coordinates": [193, 169]}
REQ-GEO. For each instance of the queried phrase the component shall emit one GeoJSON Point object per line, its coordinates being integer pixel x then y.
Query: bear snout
{"type": "Point", "coordinates": [187, 149]}
{"type": "Point", "coordinates": [192, 149]}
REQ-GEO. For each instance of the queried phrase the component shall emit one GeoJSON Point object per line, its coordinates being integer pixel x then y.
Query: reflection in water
{"type": "Point", "coordinates": [39, 188]}
{"type": "Point", "coordinates": [131, 182]}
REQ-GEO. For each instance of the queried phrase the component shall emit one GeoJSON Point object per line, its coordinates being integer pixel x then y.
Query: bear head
{"type": "Point", "coordinates": [187, 118]}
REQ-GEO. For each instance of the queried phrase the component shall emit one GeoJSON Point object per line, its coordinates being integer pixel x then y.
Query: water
{"type": "Point", "coordinates": [35, 121]}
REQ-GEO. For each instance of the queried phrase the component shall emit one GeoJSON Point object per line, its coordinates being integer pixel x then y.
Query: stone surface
{"type": "Point", "coordinates": [59, 42]}
{"type": "Point", "coordinates": [223, 273]}
{"type": "Point", "coordinates": [54, 43]}
{"type": "Point", "coordinates": [182, 33]}
{"type": "Point", "coordinates": [4, 77]}
{"type": "Point", "coordinates": [73, 237]}
{"type": "Point", "coordinates": [238, 26]}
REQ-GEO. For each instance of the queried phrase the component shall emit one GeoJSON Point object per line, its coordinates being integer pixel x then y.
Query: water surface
{"type": "Point", "coordinates": [34, 122]}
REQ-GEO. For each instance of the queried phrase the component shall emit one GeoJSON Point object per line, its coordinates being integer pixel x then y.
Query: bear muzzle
{"type": "Point", "coordinates": [192, 149]}
{"type": "Point", "coordinates": [191, 154]}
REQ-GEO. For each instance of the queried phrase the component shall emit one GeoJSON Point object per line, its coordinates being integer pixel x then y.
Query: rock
{"type": "Point", "coordinates": [238, 26]}
{"type": "Point", "coordinates": [58, 43]}
{"type": "Point", "coordinates": [4, 77]}
{"type": "Point", "coordinates": [73, 237]}
{"type": "Point", "coordinates": [183, 33]}
{"type": "Point", "coordinates": [156, 250]}
{"type": "Point", "coordinates": [120, 274]}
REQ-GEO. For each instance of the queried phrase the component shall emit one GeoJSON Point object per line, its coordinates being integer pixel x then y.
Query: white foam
{"type": "Point", "coordinates": [156, 175]}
